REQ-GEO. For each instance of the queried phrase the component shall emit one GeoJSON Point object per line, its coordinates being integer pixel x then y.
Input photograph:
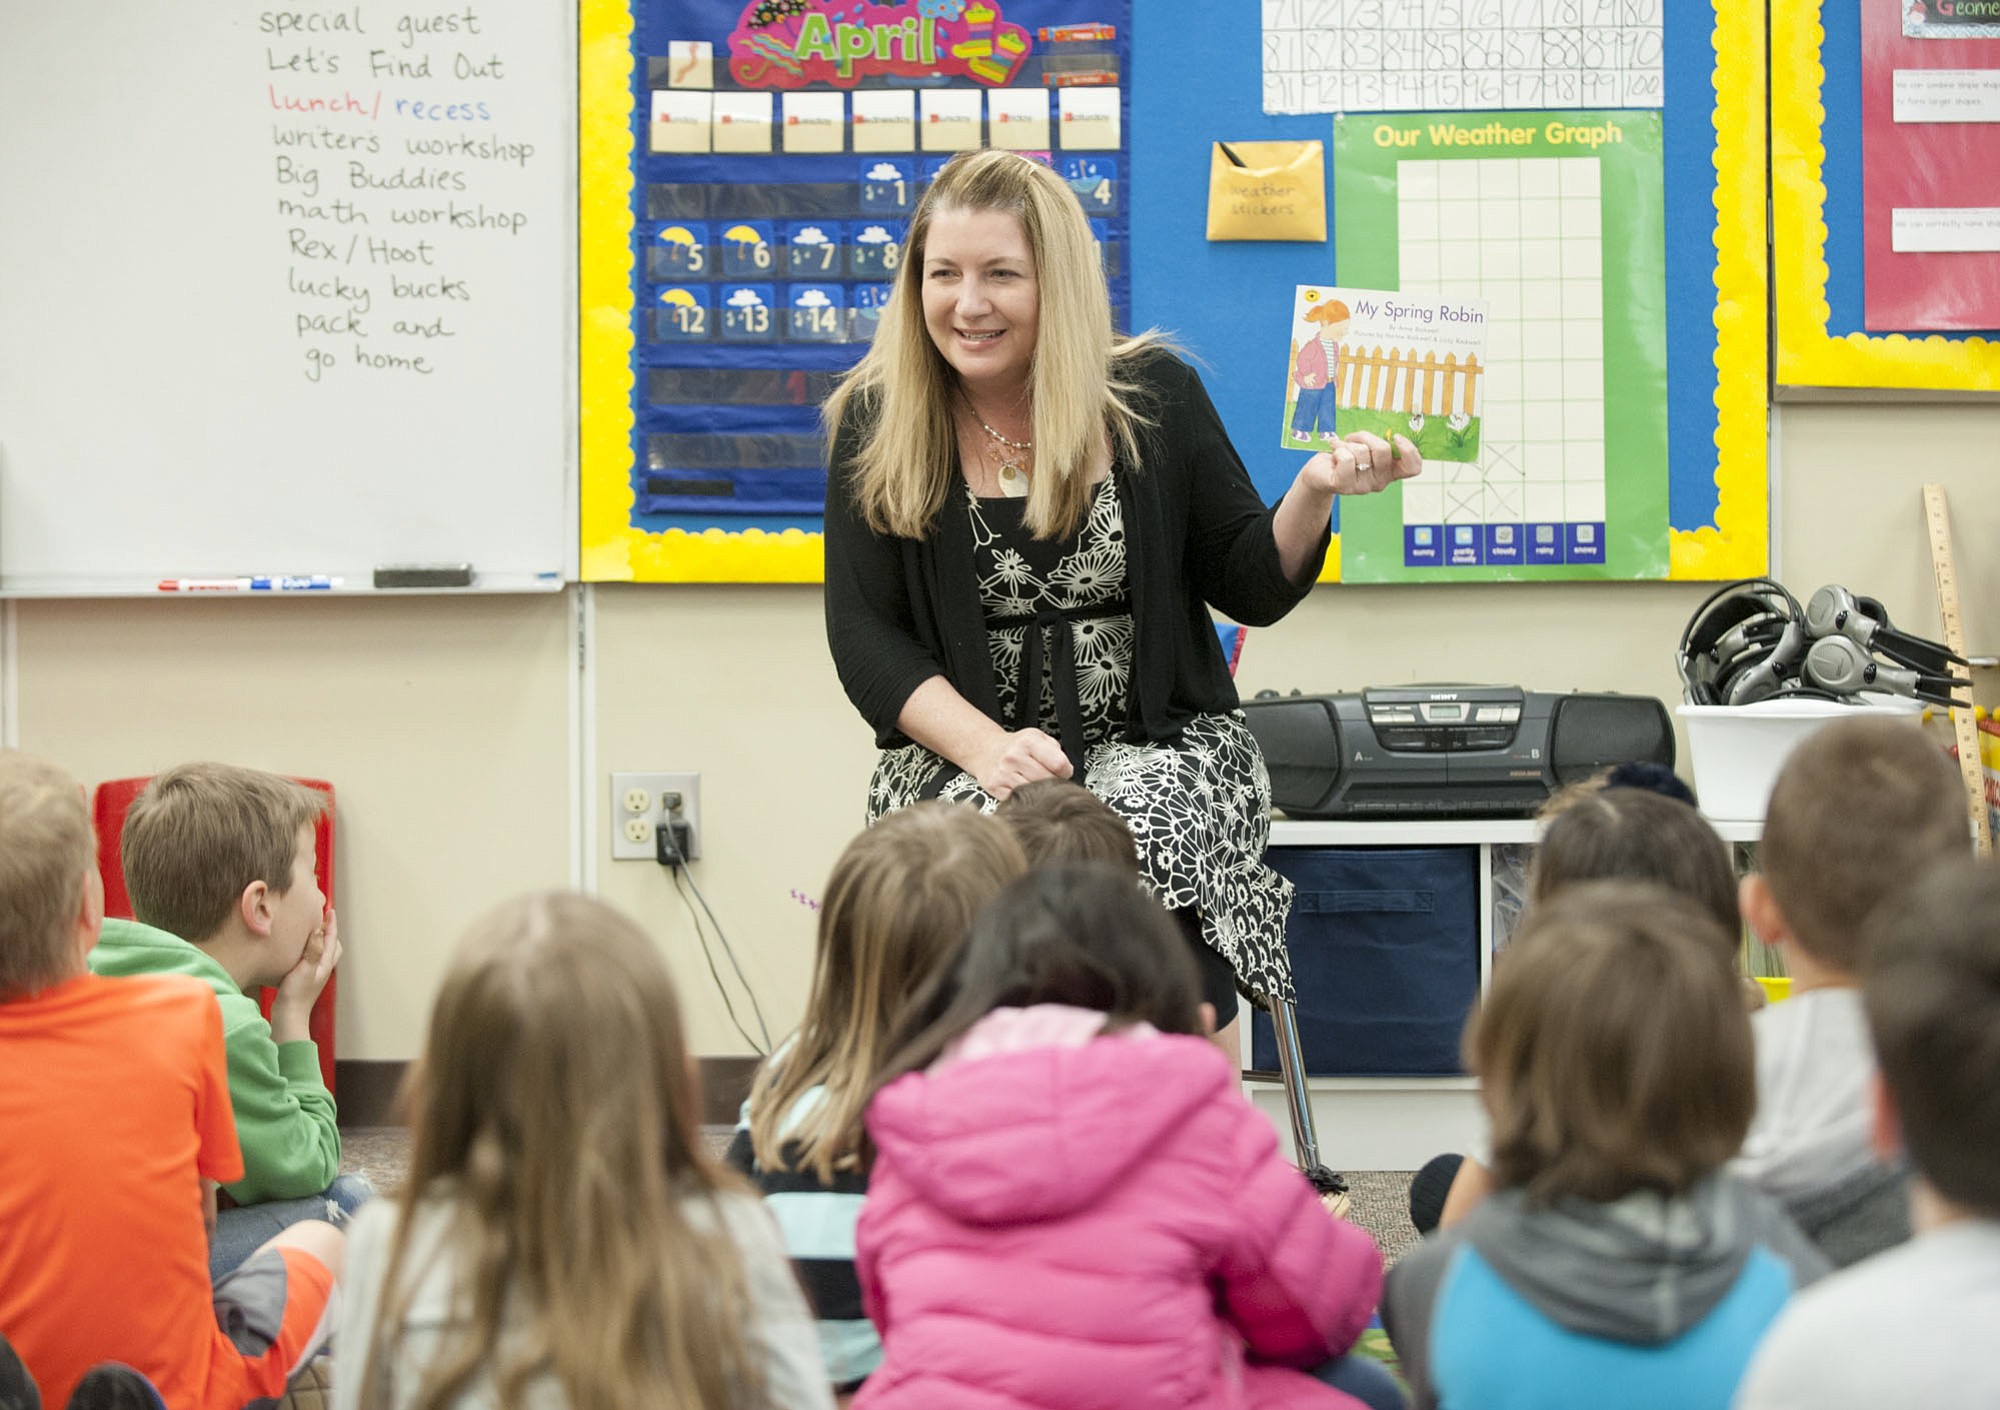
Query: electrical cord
{"type": "Point", "coordinates": [670, 849]}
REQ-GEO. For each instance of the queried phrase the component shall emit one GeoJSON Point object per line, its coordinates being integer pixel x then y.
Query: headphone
{"type": "Point", "coordinates": [1747, 641]}
{"type": "Point", "coordinates": [1751, 640]}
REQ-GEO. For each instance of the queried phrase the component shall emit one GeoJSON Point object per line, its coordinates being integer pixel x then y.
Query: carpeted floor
{"type": "Point", "coordinates": [1381, 1197]}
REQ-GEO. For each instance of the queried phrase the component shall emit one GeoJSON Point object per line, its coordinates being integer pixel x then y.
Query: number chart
{"type": "Point", "coordinates": [1359, 56]}
{"type": "Point", "coordinates": [778, 150]}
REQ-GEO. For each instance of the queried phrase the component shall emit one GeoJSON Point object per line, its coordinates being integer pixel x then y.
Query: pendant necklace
{"type": "Point", "coordinates": [1015, 459]}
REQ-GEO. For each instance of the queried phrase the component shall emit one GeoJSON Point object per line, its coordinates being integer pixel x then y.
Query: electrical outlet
{"type": "Point", "coordinates": [641, 804]}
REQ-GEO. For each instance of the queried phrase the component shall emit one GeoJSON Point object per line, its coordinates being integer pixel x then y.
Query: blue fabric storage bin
{"type": "Point", "coordinates": [1385, 953]}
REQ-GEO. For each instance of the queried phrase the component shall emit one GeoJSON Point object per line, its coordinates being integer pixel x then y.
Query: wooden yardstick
{"type": "Point", "coordinates": [1965, 729]}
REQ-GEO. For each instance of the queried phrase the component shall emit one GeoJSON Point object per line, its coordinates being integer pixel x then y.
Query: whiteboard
{"type": "Point", "coordinates": [286, 291]}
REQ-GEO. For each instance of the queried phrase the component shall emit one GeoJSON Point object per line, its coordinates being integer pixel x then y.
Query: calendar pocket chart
{"type": "Point", "coordinates": [774, 154]}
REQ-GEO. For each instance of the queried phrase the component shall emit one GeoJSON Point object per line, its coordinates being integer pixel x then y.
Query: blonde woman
{"type": "Point", "coordinates": [563, 1241]}
{"type": "Point", "coordinates": [898, 903]}
{"type": "Point", "coordinates": [1027, 521]}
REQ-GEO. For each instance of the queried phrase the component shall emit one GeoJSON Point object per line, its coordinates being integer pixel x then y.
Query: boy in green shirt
{"type": "Point", "coordinates": [220, 863]}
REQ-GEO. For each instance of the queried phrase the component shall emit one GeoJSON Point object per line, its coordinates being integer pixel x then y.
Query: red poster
{"type": "Point", "coordinates": [1930, 182]}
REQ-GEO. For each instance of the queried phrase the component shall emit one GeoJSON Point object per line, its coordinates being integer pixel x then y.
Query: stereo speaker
{"type": "Point", "coordinates": [1592, 732]}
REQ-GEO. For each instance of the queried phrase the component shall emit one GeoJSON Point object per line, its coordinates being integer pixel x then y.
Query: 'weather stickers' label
{"type": "Point", "coordinates": [791, 43]}
{"type": "Point", "coordinates": [1394, 364]}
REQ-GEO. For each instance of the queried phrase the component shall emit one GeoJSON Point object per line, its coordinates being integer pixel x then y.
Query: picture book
{"type": "Point", "coordinates": [1394, 364]}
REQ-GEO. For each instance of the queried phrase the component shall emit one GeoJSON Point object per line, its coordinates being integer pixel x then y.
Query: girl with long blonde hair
{"type": "Point", "coordinates": [899, 900]}
{"type": "Point", "coordinates": [563, 1241]}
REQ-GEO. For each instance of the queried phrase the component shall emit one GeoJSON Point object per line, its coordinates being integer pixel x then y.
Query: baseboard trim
{"type": "Point", "coordinates": [368, 1089]}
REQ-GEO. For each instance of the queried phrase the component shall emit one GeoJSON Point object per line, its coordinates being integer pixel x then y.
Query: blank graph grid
{"type": "Point", "coordinates": [1525, 234]}
{"type": "Point", "coordinates": [1358, 56]}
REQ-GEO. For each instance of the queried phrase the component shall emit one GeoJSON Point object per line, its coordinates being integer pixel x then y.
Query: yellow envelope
{"type": "Point", "coordinates": [1278, 192]}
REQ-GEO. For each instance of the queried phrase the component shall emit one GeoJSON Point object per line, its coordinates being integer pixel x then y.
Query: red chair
{"type": "Point", "coordinates": [109, 805]}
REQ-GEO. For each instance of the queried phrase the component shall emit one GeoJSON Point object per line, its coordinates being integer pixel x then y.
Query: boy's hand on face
{"type": "Point", "coordinates": [299, 990]}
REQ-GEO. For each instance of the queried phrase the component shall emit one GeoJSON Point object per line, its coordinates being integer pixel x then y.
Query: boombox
{"type": "Point", "coordinates": [1446, 751]}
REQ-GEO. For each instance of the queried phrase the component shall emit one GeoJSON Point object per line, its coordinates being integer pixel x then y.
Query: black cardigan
{"type": "Point", "coordinates": [899, 610]}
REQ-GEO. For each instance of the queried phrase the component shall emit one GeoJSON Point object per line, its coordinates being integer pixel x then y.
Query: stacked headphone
{"type": "Point", "coordinates": [1751, 641]}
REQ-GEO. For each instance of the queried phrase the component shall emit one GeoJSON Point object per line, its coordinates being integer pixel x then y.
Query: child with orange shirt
{"type": "Point", "coordinates": [116, 1109]}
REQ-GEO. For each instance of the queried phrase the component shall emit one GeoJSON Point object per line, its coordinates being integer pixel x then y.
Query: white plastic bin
{"type": "Point", "coordinates": [1737, 750]}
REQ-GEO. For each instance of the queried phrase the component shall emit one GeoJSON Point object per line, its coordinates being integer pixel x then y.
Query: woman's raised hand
{"type": "Point", "coordinates": [1021, 756]}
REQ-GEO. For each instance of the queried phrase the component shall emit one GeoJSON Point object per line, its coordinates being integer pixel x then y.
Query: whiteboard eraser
{"type": "Point", "coordinates": [423, 575]}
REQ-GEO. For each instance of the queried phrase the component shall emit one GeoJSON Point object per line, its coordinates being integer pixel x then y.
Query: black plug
{"type": "Point", "coordinates": [670, 843]}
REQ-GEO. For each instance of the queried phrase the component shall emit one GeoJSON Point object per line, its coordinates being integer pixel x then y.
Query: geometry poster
{"type": "Point", "coordinates": [1930, 177]}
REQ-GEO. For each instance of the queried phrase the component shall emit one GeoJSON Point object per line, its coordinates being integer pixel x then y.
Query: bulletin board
{"type": "Point", "coordinates": [749, 167]}
{"type": "Point", "coordinates": [1186, 81]}
{"type": "Point", "coordinates": [1692, 463]}
{"type": "Point", "coordinates": [1835, 70]}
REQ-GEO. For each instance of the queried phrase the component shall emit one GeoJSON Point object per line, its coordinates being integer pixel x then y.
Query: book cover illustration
{"type": "Point", "coordinates": [1394, 364]}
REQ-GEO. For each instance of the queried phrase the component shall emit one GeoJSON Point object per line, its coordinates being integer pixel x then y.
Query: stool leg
{"type": "Point", "coordinates": [1292, 1068]}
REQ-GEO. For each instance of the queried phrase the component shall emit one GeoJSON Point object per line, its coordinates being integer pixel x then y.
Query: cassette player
{"type": "Point", "coordinates": [1446, 750]}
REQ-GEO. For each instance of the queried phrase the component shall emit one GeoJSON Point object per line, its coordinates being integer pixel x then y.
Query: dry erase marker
{"type": "Point", "coordinates": [295, 582]}
{"type": "Point", "coordinates": [311, 582]}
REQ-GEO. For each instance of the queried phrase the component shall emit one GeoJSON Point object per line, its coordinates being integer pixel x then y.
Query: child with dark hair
{"type": "Point", "coordinates": [1071, 1203]}
{"type": "Point", "coordinates": [1860, 811]}
{"type": "Point", "coordinates": [1615, 1261]}
{"type": "Point", "coordinates": [1930, 983]}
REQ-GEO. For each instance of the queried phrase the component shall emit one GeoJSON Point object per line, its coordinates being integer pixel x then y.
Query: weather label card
{"type": "Point", "coordinates": [1390, 363]}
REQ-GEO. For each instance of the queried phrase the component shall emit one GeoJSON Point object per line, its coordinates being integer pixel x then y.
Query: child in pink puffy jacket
{"type": "Point", "coordinates": [1072, 1205]}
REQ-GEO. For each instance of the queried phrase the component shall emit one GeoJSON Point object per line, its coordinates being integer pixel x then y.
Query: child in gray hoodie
{"type": "Point", "coordinates": [1616, 1260]}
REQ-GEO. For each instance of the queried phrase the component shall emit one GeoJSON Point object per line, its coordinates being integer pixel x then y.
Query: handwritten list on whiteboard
{"type": "Point", "coordinates": [1331, 56]}
{"type": "Point", "coordinates": [327, 291]}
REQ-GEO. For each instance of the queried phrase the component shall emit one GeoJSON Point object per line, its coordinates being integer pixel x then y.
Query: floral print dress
{"type": "Point", "coordinates": [1059, 626]}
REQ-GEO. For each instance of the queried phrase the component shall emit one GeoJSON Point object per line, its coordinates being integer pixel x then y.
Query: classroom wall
{"type": "Point", "coordinates": [445, 723]}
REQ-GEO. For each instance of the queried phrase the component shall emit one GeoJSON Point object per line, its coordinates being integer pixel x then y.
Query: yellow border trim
{"type": "Point", "coordinates": [1738, 544]}
{"type": "Point", "coordinates": [1809, 356]}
